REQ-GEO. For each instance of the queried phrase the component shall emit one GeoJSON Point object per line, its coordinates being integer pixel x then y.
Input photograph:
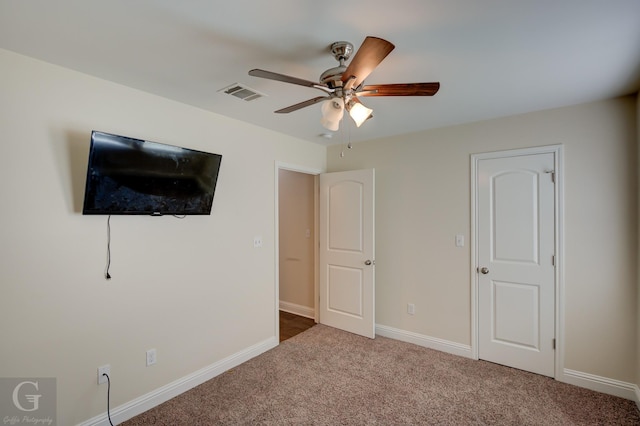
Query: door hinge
{"type": "Point", "coordinates": [553, 175]}
{"type": "Point", "coordinates": [553, 259]}
{"type": "Point", "coordinates": [553, 343]}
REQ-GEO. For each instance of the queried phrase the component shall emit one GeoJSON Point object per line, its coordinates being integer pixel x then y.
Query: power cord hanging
{"type": "Point", "coordinates": [108, 396]}
{"type": "Point", "coordinates": [106, 272]}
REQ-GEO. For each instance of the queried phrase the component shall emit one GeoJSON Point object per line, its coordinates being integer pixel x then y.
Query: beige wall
{"type": "Point", "coordinates": [296, 214]}
{"type": "Point", "coordinates": [423, 201]}
{"type": "Point", "coordinates": [178, 285]}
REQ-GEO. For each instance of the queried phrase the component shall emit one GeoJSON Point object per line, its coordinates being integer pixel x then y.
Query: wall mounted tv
{"type": "Point", "coordinates": [128, 176]}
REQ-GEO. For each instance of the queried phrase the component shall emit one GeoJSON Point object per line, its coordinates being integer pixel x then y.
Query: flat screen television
{"type": "Point", "coordinates": [128, 176]}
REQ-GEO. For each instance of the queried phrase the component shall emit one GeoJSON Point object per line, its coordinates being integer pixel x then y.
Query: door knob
{"type": "Point", "coordinates": [484, 270]}
{"type": "Point", "coordinates": [368, 262]}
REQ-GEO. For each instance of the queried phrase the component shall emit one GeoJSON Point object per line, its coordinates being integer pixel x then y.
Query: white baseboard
{"type": "Point", "coordinates": [425, 341]}
{"type": "Point", "coordinates": [165, 393]}
{"type": "Point", "coordinates": [589, 381]}
{"type": "Point", "coordinates": [292, 308]}
{"type": "Point", "coordinates": [601, 384]}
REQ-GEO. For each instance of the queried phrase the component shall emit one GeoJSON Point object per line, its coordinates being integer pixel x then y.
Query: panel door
{"type": "Point", "coordinates": [516, 243]}
{"type": "Point", "coordinates": [347, 295]}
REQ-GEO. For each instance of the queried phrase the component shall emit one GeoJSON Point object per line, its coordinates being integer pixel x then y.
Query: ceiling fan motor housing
{"type": "Point", "coordinates": [341, 50]}
{"type": "Point", "coordinates": [333, 76]}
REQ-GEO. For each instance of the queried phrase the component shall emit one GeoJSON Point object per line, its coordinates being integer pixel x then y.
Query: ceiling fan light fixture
{"type": "Point", "coordinates": [330, 125]}
{"type": "Point", "coordinates": [332, 113]}
{"type": "Point", "coordinates": [359, 113]}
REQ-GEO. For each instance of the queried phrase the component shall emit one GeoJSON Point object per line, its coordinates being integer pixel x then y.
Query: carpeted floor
{"type": "Point", "coordinates": [325, 376]}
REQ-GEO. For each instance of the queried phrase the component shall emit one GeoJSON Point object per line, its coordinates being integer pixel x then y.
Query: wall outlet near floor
{"type": "Point", "coordinates": [411, 308]}
{"type": "Point", "coordinates": [105, 369]}
{"type": "Point", "coordinates": [151, 357]}
{"type": "Point", "coordinates": [257, 241]}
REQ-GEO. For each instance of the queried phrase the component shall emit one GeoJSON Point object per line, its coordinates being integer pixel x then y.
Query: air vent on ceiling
{"type": "Point", "coordinates": [241, 91]}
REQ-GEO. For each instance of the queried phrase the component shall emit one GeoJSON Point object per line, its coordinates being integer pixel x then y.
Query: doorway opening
{"type": "Point", "coordinates": [343, 268]}
{"type": "Point", "coordinates": [296, 250]}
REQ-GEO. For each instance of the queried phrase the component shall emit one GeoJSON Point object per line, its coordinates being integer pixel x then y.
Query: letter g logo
{"type": "Point", "coordinates": [34, 399]}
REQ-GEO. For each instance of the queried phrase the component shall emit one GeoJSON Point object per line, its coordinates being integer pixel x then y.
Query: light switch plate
{"type": "Point", "coordinates": [151, 357]}
{"type": "Point", "coordinates": [411, 308]}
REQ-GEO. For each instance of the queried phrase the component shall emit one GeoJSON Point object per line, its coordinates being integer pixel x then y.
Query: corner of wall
{"type": "Point", "coordinates": [638, 277]}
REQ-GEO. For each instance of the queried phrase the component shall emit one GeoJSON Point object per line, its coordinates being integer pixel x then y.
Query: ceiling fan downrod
{"type": "Point", "coordinates": [341, 51]}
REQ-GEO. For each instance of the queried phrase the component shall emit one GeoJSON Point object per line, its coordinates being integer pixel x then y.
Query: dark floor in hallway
{"type": "Point", "coordinates": [291, 324]}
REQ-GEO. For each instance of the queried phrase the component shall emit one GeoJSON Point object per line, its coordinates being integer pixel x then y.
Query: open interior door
{"type": "Point", "coordinates": [347, 250]}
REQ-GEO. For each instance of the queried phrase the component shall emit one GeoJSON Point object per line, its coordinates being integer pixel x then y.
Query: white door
{"type": "Point", "coordinates": [516, 272]}
{"type": "Point", "coordinates": [347, 253]}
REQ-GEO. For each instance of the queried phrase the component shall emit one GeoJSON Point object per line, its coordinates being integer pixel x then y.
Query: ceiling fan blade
{"type": "Point", "coordinates": [366, 59]}
{"type": "Point", "coordinates": [302, 105]}
{"type": "Point", "coordinates": [286, 79]}
{"type": "Point", "coordinates": [403, 89]}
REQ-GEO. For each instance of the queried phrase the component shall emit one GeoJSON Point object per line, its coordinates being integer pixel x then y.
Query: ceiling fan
{"type": "Point", "coordinates": [344, 85]}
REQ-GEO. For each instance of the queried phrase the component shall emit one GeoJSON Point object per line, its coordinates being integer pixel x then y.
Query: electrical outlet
{"type": "Point", "coordinates": [105, 369]}
{"type": "Point", "coordinates": [151, 357]}
{"type": "Point", "coordinates": [257, 241]}
{"type": "Point", "coordinates": [411, 308]}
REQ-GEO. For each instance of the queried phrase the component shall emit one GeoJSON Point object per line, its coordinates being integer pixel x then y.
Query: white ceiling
{"type": "Point", "coordinates": [493, 58]}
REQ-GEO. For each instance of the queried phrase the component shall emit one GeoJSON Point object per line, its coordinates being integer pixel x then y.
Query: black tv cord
{"type": "Point", "coordinates": [108, 394]}
{"type": "Point", "coordinates": [106, 272]}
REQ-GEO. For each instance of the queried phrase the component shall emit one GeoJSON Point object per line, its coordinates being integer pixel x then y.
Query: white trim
{"type": "Point", "coordinates": [601, 384]}
{"type": "Point", "coordinates": [424, 341]}
{"type": "Point", "coordinates": [558, 151]}
{"type": "Point", "coordinates": [146, 402]}
{"type": "Point", "coordinates": [301, 169]}
{"type": "Point", "coordinates": [303, 311]}
{"type": "Point", "coordinates": [560, 295]}
{"type": "Point", "coordinates": [297, 168]}
{"type": "Point", "coordinates": [474, 258]}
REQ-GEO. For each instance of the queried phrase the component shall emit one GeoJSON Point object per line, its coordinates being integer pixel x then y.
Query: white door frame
{"type": "Point", "coordinates": [558, 152]}
{"type": "Point", "coordinates": [310, 171]}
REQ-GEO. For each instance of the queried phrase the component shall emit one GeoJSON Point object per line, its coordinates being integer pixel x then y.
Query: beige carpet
{"type": "Point", "coordinates": [324, 376]}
